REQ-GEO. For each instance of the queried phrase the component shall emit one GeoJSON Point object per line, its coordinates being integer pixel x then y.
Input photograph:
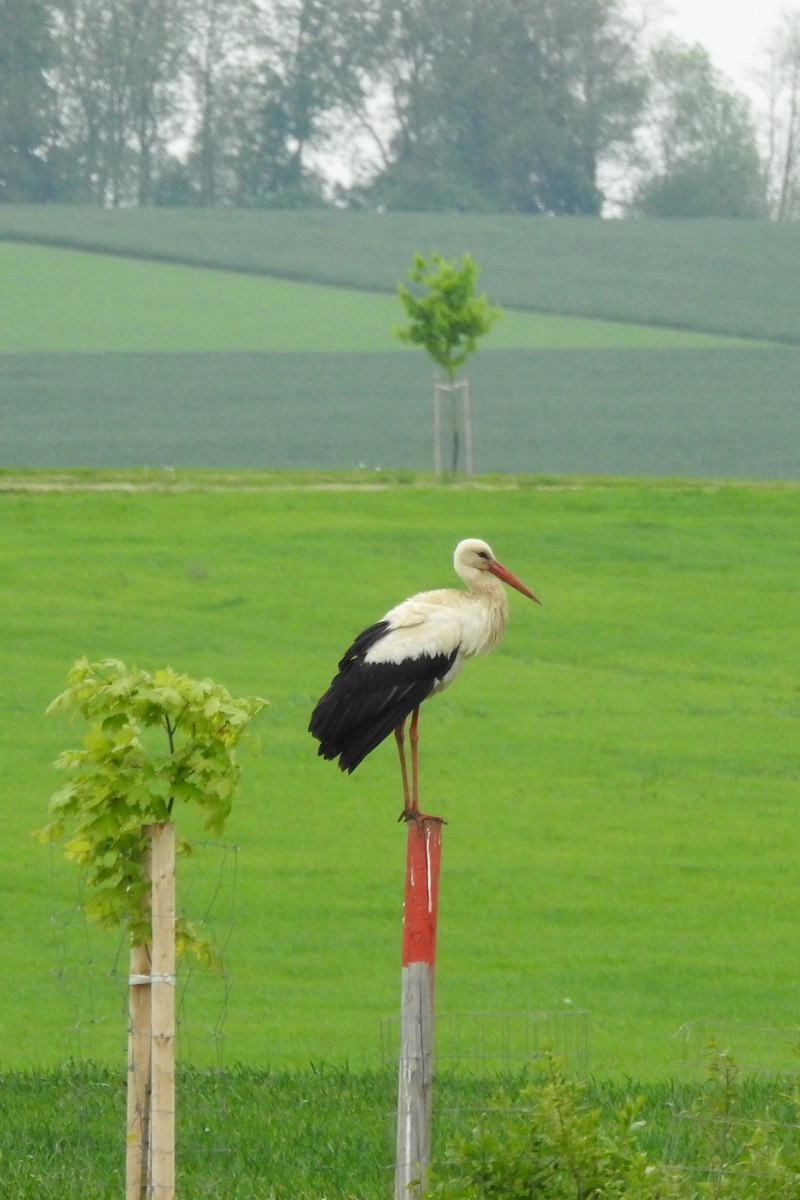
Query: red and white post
{"type": "Point", "coordinates": [423, 861]}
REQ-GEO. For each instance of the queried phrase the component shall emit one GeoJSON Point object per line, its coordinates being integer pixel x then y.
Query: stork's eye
{"type": "Point", "coordinates": [484, 554]}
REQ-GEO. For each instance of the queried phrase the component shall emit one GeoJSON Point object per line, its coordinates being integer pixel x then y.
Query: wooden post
{"type": "Point", "coordinates": [414, 1096]}
{"type": "Point", "coordinates": [437, 428]}
{"type": "Point", "coordinates": [137, 1146]}
{"type": "Point", "coordinates": [469, 441]}
{"type": "Point", "coordinates": [150, 1150]}
{"type": "Point", "coordinates": [461, 421]}
{"type": "Point", "coordinates": [162, 1133]}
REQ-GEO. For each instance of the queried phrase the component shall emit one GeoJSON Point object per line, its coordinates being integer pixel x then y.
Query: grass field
{"type": "Point", "coordinates": [651, 401]}
{"type": "Point", "coordinates": [254, 1135]}
{"type": "Point", "coordinates": [65, 301]}
{"type": "Point", "coordinates": [713, 413]}
{"type": "Point", "coordinates": [109, 361]}
{"type": "Point", "coordinates": [730, 277]}
{"type": "Point", "coordinates": [620, 777]}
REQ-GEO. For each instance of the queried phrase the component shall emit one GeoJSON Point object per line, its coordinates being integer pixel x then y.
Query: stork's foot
{"type": "Point", "coordinates": [413, 814]}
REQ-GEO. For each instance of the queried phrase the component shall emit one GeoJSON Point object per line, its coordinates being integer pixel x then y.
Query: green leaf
{"type": "Point", "coordinates": [121, 781]}
{"type": "Point", "coordinates": [448, 320]}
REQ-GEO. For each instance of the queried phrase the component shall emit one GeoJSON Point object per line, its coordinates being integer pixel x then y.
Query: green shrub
{"type": "Point", "coordinates": [550, 1143]}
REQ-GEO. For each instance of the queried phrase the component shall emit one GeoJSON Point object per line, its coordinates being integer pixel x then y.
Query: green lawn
{"type": "Point", "coordinates": [66, 301]}
{"type": "Point", "coordinates": [620, 778]}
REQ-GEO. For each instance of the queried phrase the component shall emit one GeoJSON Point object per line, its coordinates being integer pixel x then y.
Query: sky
{"type": "Point", "coordinates": [731, 30]}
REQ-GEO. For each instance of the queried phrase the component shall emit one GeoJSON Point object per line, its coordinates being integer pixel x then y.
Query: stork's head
{"type": "Point", "coordinates": [472, 555]}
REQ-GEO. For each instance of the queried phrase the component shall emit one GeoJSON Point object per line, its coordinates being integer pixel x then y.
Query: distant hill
{"type": "Point", "coordinates": [731, 277]}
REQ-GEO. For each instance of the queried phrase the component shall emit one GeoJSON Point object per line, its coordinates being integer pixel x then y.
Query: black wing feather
{"type": "Point", "coordinates": [367, 701]}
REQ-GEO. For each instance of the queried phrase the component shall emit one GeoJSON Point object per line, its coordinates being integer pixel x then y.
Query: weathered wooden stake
{"type": "Point", "coordinates": [137, 1146]}
{"type": "Point", "coordinates": [414, 1096]}
{"type": "Point", "coordinates": [461, 424]}
{"type": "Point", "coordinates": [162, 1107]}
{"type": "Point", "coordinates": [437, 429]}
{"type": "Point", "coordinates": [150, 1151]}
{"type": "Point", "coordinates": [469, 442]}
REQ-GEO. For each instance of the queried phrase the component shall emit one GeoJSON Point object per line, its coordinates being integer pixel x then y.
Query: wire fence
{"type": "Point", "coordinates": [734, 1120]}
{"type": "Point", "coordinates": [500, 1042]}
{"type": "Point", "coordinates": [729, 1122]}
{"type": "Point", "coordinates": [91, 968]}
{"type": "Point", "coordinates": [757, 1050]}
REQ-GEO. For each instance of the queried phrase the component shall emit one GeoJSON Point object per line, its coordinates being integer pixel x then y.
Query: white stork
{"type": "Point", "coordinates": [415, 651]}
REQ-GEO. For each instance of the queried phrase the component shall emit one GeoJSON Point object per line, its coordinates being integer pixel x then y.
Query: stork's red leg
{"type": "Point", "coordinates": [411, 810]}
{"type": "Point", "coordinates": [400, 738]}
{"type": "Point", "coordinates": [414, 738]}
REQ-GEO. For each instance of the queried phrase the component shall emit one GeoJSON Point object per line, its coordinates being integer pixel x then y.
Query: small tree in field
{"type": "Point", "coordinates": [446, 320]}
{"type": "Point", "coordinates": [125, 777]}
{"type": "Point", "coordinates": [155, 741]}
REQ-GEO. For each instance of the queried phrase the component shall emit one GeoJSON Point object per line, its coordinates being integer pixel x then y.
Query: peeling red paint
{"type": "Point", "coordinates": [423, 862]}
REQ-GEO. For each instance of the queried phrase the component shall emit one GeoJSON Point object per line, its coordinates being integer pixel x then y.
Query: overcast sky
{"type": "Point", "coordinates": [731, 30]}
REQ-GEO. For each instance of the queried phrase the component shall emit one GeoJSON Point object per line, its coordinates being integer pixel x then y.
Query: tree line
{"type": "Point", "coordinates": [523, 106]}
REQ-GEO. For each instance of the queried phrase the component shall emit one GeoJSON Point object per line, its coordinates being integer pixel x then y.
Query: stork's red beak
{"type": "Point", "coordinates": [503, 573]}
